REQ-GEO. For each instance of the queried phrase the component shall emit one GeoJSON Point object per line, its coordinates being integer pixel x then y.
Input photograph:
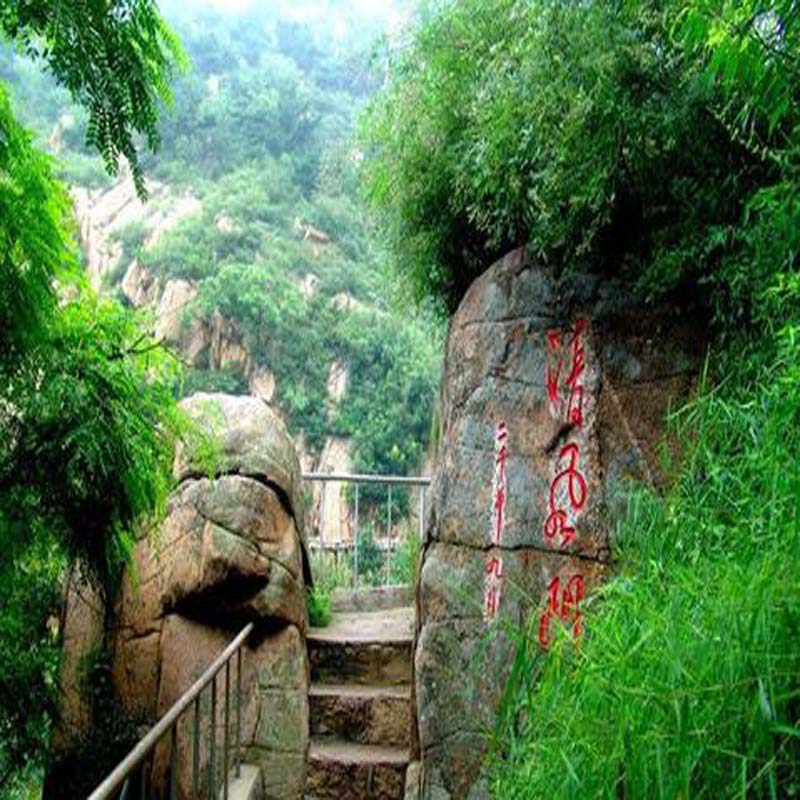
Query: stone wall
{"type": "Point", "coordinates": [229, 551]}
{"type": "Point", "coordinates": [554, 397]}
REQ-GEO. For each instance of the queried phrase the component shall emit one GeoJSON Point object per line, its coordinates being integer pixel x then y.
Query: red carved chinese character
{"type": "Point", "coordinates": [499, 493]}
{"type": "Point", "coordinates": [499, 509]}
{"type": "Point", "coordinates": [552, 383]}
{"type": "Point", "coordinates": [575, 406]}
{"type": "Point", "coordinates": [577, 368]}
{"type": "Point", "coordinates": [492, 602]}
{"type": "Point", "coordinates": [557, 523]}
{"type": "Point", "coordinates": [554, 373]}
{"type": "Point", "coordinates": [494, 567]}
{"type": "Point", "coordinates": [576, 483]}
{"type": "Point", "coordinates": [562, 603]}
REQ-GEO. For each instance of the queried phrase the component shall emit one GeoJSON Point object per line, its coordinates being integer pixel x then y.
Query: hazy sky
{"type": "Point", "coordinates": [338, 15]}
{"type": "Point", "coordinates": [369, 8]}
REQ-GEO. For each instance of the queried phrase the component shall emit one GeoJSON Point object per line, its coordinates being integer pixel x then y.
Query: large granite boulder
{"type": "Point", "coordinates": [230, 551]}
{"type": "Point", "coordinates": [554, 396]}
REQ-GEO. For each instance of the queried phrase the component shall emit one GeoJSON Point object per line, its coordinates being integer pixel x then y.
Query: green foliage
{"type": "Point", "coordinates": [34, 210]}
{"type": "Point", "coordinates": [30, 588]}
{"type": "Point", "coordinates": [88, 447]}
{"type": "Point", "coordinates": [132, 237]}
{"type": "Point", "coordinates": [404, 561]}
{"type": "Point", "coordinates": [687, 682]}
{"type": "Point", "coordinates": [318, 603]}
{"type": "Point", "coordinates": [87, 420]}
{"type": "Point", "coordinates": [569, 126]}
{"type": "Point", "coordinates": [115, 60]}
{"type": "Point", "coordinates": [330, 571]}
{"type": "Point", "coordinates": [267, 149]}
{"type": "Point", "coordinates": [367, 558]}
{"type": "Point", "coordinates": [203, 380]}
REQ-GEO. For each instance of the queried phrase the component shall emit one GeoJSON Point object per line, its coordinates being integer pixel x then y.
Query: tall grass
{"type": "Point", "coordinates": [687, 683]}
{"type": "Point", "coordinates": [404, 560]}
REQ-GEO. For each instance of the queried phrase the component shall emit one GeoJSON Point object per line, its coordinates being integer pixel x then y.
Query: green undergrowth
{"type": "Point", "coordinates": [405, 559]}
{"type": "Point", "coordinates": [687, 683]}
{"type": "Point", "coordinates": [318, 603]}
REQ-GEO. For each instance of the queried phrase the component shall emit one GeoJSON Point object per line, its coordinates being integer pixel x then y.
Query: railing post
{"type": "Point", "coordinates": [422, 489]}
{"type": "Point", "coordinates": [322, 492]}
{"type": "Point", "coordinates": [196, 751]}
{"type": "Point", "coordinates": [389, 537]}
{"type": "Point", "coordinates": [173, 763]}
{"type": "Point", "coordinates": [239, 713]}
{"type": "Point", "coordinates": [143, 781]}
{"type": "Point", "coordinates": [226, 734]}
{"type": "Point", "coordinates": [137, 761]}
{"type": "Point", "coordinates": [355, 542]}
{"type": "Point", "coordinates": [213, 744]}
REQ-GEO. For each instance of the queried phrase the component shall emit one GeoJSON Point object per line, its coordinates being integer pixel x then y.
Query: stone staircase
{"type": "Point", "coordinates": [360, 703]}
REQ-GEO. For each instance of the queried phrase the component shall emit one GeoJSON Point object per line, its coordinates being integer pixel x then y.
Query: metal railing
{"type": "Point", "coordinates": [351, 542]}
{"type": "Point", "coordinates": [123, 778]}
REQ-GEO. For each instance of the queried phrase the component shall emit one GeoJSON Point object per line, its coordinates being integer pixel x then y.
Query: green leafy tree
{"type": "Point", "coordinates": [115, 59]}
{"type": "Point", "coordinates": [571, 127]}
{"type": "Point", "coordinates": [86, 414]}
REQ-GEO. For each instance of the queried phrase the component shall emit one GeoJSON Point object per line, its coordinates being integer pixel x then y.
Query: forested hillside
{"type": "Point", "coordinates": [253, 252]}
{"type": "Point", "coordinates": [249, 268]}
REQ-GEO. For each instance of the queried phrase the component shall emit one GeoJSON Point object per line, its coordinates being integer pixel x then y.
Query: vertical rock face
{"type": "Point", "coordinates": [330, 512]}
{"type": "Point", "coordinates": [229, 551]}
{"type": "Point", "coordinates": [554, 394]}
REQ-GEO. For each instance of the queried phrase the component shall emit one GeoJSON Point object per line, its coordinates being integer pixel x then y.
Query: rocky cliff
{"type": "Point", "coordinates": [554, 397]}
{"type": "Point", "coordinates": [214, 343]}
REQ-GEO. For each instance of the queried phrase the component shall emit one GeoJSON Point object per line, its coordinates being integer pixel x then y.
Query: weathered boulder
{"type": "Point", "coordinates": [554, 395]}
{"type": "Point", "coordinates": [229, 551]}
{"type": "Point", "coordinates": [252, 442]}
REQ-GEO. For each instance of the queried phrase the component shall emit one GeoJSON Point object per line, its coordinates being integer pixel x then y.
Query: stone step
{"type": "Point", "coordinates": [340, 770]}
{"type": "Point", "coordinates": [360, 662]}
{"type": "Point", "coordinates": [374, 598]}
{"type": "Point", "coordinates": [363, 648]}
{"type": "Point", "coordinates": [379, 715]}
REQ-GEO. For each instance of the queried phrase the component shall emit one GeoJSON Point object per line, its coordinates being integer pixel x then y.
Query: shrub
{"type": "Point", "coordinates": [318, 602]}
{"type": "Point", "coordinates": [330, 571]}
{"type": "Point", "coordinates": [569, 126]}
{"type": "Point", "coordinates": [367, 558]}
{"type": "Point", "coordinates": [405, 559]}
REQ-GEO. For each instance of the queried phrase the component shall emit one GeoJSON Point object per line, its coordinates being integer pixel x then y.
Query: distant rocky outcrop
{"type": "Point", "coordinates": [230, 550]}
{"type": "Point", "coordinates": [330, 510]}
{"type": "Point", "coordinates": [212, 342]}
{"type": "Point", "coordinates": [102, 213]}
{"type": "Point", "coordinates": [554, 396]}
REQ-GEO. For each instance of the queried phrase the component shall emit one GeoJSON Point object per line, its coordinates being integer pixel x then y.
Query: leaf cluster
{"type": "Point", "coordinates": [571, 127]}
{"type": "Point", "coordinates": [115, 59]}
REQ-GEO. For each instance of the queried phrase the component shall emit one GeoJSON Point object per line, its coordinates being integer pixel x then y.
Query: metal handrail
{"type": "Point", "coordinates": [387, 479]}
{"type": "Point", "coordinates": [125, 769]}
